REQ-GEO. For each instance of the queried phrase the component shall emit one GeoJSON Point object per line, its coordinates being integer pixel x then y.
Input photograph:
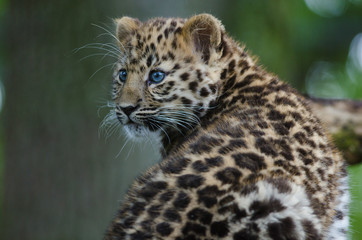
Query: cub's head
{"type": "Point", "coordinates": [166, 77]}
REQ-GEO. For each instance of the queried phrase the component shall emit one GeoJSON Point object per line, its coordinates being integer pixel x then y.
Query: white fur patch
{"type": "Point", "coordinates": [339, 228]}
{"type": "Point", "coordinates": [296, 207]}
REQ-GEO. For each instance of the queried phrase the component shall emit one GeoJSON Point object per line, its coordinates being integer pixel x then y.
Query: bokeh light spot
{"type": "Point", "coordinates": [327, 8]}
{"type": "Point", "coordinates": [354, 62]}
{"type": "Point", "coordinates": [323, 81]}
{"type": "Point", "coordinates": [355, 51]}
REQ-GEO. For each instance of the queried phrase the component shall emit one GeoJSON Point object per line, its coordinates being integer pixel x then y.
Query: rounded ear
{"type": "Point", "coordinates": [125, 27]}
{"type": "Point", "coordinates": [204, 31]}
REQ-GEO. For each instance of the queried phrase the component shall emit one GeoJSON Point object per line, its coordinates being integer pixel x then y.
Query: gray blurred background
{"type": "Point", "coordinates": [61, 179]}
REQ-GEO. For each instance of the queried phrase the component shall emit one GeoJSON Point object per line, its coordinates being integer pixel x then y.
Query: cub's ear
{"type": "Point", "coordinates": [125, 27]}
{"type": "Point", "coordinates": [204, 32]}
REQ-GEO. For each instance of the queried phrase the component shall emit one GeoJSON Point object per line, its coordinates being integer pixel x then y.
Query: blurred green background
{"type": "Point", "coordinates": [58, 178]}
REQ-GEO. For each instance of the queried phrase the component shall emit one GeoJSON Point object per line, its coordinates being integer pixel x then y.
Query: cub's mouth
{"type": "Point", "coordinates": [137, 128]}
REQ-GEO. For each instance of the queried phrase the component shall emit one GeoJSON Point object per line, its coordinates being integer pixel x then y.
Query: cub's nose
{"type": "Point", "coordinates": [129, 109]}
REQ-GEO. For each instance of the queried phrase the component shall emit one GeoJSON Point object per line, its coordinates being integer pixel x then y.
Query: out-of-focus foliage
{"type": "Point", "coordinates": [355, 174]}
{"type": "Point", "coordinates": [350, 144]}
{"type": "Point", "coordinates": [60, 180]}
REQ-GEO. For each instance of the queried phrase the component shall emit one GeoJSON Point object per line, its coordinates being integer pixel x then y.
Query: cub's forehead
{"type": "Point", "coordinates": [157, 39]}
{"type": "Point", "coordinates": [165, 26]}
{"type": "Point", "coordinates": [157, 31]}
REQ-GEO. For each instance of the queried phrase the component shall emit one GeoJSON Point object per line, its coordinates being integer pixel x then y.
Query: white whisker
{"type": "Point", "coordinates": [110, 34]}
{"type": "Point", "coordinates": [125, 143]}
{"type": "Point", "coordinates": [99, 54]}
{"type": "Point", "coordinates": [130, 150]}
{"type": "Point", "coordinates": [168, 123]}
{"type": "Point", "coordinates": [109, 124]}
{"type": "Point", "coordinates": [174, 120]}
{"type": "Point", "coordinates": [109, 48]}
{"type": "Point", "coordinates": [183, 115]}
{"type": "Point", "coordinates": [107, 65]}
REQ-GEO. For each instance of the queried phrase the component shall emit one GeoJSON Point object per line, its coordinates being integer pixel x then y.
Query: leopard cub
{"type": "Point", "coordinates": [243, 156]}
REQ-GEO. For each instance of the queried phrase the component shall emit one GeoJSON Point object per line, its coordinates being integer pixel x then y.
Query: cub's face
{"type": "Point", "coordinates": [163, 80]}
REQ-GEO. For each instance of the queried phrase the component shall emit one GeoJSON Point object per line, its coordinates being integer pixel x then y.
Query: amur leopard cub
{"type": "Point", "coordinates": [243, 156]}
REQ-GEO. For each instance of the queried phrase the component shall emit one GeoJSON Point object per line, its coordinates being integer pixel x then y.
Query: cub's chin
{"type": "Point", "coordinates": [138, 132]}
{"type": "Point", "coordinates": [135, 131]}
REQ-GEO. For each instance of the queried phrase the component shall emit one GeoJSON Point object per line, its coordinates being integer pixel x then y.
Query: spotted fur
{"type": "Point", "coordinates": [243, 156]}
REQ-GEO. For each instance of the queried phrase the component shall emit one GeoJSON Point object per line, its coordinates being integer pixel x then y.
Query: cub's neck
{"type": "Point", "coordinates": [236, 71]}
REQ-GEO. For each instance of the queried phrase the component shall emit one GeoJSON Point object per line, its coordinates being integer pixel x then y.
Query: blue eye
{"type": "Point", "coordinates": [156, 76]}
{"type": "Point", "coordinates": [122, 75]}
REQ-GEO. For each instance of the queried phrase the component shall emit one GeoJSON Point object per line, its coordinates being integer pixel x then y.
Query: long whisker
{"type": "Point", "coordinates": [131, 149]}
{"type": "Point", "coordinates": [125, 143]}
{"type": "Point", "coordinates": [168, 123]}
{"type": "Point", "coordinates": [174, 120]}
{"type": "Point", "coordinates": [109, 124]}
{"type": "Point", "coordinates": [111, 46]}
{"type": "Point", "coordinates": [107, 31]}
{"type": "Point", "coordinates": [163, 130]}
{"type": "Point", "coordinates": [99, 54]}
{"type": "Point", "coordinates": [110, 34]}
{"type": "Point", "coordinates": [108, 47]}
{"type": "Point", "coordinates": [152, 125]}
{"type": "Point", "coordinates": [107, 65]}
{"type": "Point", "coordinates": [187, 106]}
{"type": "Point", "coordinates": [181, 110]}
{"type": "Point", "coordinates": [182, 116]}
{"type": "Point", "coordinates": [108, 104]}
